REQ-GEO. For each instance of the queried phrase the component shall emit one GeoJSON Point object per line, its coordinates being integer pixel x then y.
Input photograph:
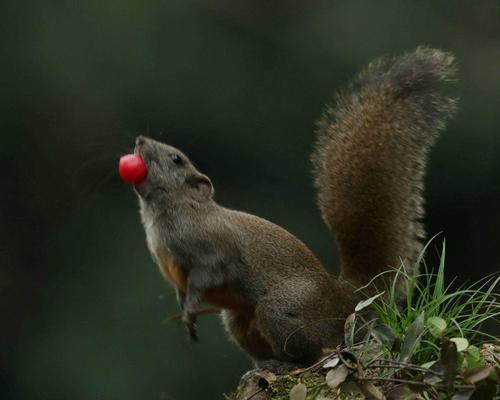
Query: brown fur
{"type": "Point", "coordinates": [370, 160]}
{"type": "Point", "coordinates": [241, 325]}
{"type": "Point", "coordinates": [279, 303]}
{"type": "Point", "coordinates": [224, 298]}
{"type": "Point", "coordinates": [174, 273]}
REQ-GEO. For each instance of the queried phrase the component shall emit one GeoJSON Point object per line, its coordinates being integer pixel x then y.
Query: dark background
{"type": "Point", "coordinates": [237, 86]}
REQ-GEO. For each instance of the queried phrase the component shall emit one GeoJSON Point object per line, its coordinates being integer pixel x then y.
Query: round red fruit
{"type": "Point", "coordinates": [132, 168]}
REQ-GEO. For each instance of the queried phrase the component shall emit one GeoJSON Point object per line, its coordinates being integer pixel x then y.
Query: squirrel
{"type": "Point", "coordinates": [277, 301]}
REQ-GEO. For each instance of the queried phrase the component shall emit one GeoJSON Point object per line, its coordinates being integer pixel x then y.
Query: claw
{"type": "Point", "coordinates": [190, 321]}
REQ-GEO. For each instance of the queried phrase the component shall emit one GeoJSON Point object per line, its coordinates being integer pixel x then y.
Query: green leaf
{"type": "Point", "coordinates": [473, 357]}
{"type": "Point", "coordinates": [428, 364]}
{"type": "Point", "coordinates": [412, 338]}
{"type": "Point", "coordinates": [384, 335]}
{"type": "Point", "coordinates": [439, 285]}
{"type": "Point", "coordinates": [461, 343]}
{"type": "Point", "coordinates": [436, 326]}
{"type": "Point", "coordinates": [461, 361]}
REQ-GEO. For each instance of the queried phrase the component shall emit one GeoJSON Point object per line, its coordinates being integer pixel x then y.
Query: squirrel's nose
{"type": "Point", "coordinates": [140, 140]}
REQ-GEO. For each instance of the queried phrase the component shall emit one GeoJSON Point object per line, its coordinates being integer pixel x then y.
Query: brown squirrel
{"type": "Point", "coordinates": [278, 302]}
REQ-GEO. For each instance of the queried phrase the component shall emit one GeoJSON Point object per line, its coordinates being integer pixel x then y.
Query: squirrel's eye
{"type": "Point", "coordinates": [176, 158]}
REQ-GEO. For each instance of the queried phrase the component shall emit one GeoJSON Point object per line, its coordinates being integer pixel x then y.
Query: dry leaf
{"type": "Point", "coordinates": [401, 392]}
{"type": "Point", "coordinates": [370, 391]}
{"type": "Point", "coordinates": [332, 363]}
{"type": "Point", "coordinates": [298, 392]}
{"type": "Point", "coordinates": [365, 303]}
{"type": "Point", "coordinates": [478, 374]}
{"type": "Point", "coordinates": [349, 326]}
{"type": "Point", "coordinates": [336, 376]}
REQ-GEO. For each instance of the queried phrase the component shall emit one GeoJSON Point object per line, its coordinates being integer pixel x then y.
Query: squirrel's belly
{"type": "Point", "coordinates": [165, 259]}
{"type": "Point", "coordinates": [171, 270]}
{"type": "Point", "coordinates": [223, 297]}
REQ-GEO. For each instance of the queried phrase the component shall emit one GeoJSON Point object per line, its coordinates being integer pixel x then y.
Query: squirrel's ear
{"type": "Point", "coordinates": [201, 186]}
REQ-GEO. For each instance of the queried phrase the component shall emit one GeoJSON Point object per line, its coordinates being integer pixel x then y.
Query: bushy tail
{"type": "Point", "coordinates": [370, 156]}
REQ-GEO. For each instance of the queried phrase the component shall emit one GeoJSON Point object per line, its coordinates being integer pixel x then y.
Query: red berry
{"type": "Point", "coordinates": [132, 168]}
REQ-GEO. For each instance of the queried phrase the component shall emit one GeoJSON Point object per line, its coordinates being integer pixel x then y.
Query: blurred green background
{"type": "Point", "coordinates": [237, 85]}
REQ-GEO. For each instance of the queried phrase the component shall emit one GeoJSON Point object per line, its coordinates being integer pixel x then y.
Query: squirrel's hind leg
{"type": "Point", "coordinates": [286, 330]}
{"type": "Point", "coordinates": [189, 302]}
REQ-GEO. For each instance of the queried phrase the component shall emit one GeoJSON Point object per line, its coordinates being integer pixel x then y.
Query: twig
{"type": "Point", "coordinates": [256, 393]}
{"type": "Point", "coordinates": [418, 383]}
{"type": "Point", "coordinates": [204, 311]}
{"type": "Point", "coordinates": [322, 360]}
{"type": "Point", "coordinates": [349, 364]}
{"type": "Point", "coordinates": [316, 364]}
{"type": "Point", "coordinates": [397, 364]}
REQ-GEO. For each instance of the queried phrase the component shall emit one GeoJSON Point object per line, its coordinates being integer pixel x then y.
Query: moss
{"type": "Point", "coordinates": [280, 389]}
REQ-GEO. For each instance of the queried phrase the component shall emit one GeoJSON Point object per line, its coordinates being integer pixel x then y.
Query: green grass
{"type": "Point", "coordinates": [393, 352]}
{"type": "Point", "coordinates": [444, 314]}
